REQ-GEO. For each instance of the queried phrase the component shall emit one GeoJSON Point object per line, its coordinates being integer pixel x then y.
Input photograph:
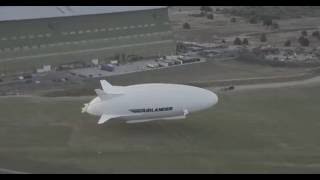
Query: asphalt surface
{"type": "Point", "coordinates": [314, 80]}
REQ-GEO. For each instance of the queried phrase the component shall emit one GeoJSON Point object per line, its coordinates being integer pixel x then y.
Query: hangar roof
{"type": "Point", "coordinates": [8, 13]}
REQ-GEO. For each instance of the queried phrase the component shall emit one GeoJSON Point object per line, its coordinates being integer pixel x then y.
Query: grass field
{"type": "Point", "coordinates": [206, 30]}
{"type": "Point", "coordinates": [271, 130]}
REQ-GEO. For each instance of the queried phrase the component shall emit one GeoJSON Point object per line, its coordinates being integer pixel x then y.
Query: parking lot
{"type": "Point", "coordinates": [144, 65]}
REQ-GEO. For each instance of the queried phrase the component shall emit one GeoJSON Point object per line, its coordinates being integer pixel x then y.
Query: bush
{"type": "Point", "coordinates": [201, 14]}
{"type": "Point", "coordinates": [237, 41]}
{"type": "Point", "coordinates": [253, 20]}
{"type": "Point", "coordinates": [186, 26]}
{"type": "Point", "coordinates": [181, 47]}
{"type": "Point", "coordinates": [210, 16]}
{"type": "Point", "coordinates": [275, 26]}
{"type": "Point", "coordinates": [287, 43]}
{"type": "Point", "coordinates": [304, 33]}
{"type": "Point", "coordinates": [206, 9]}
{"type": "Point", "coordinates": [133, 58]}
{"type": "Point", "coordinates": [245, 41]}
{"type": "Point", "coordinates": [303, 41]}
{"type": "Point", "coordinates": [316, 34]}
{"type": "Point", "coordinates": [263, 38]}
{"type": "Point", "coordinates": [267, 22]}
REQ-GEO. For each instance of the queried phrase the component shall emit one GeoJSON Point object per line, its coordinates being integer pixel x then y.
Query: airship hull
{"type": "Point", "coordinates": [147, 102]}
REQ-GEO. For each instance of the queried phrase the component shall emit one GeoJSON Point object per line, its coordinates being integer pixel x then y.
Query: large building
{"type": "Point", "coordinates": [34, 36]}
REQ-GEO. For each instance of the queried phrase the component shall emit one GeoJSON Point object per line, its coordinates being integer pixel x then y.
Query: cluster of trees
{"type": "Point", "coordinates": [255, 15]}
{"type": "Point", "coordinates": [180, 47]}
{"type": "Point", "coordinates": [287, 43]}
{"type": "Point", "coordinates": [269, 23]}
{"type": "Point", "coordinates": [219, 9]}
{"type": "Point", "coordinates": [274, 25]}
{"type": "Point", "coordinates": [206, 11]}
{"type": "Point", "coordinates": [124, 58]}
{"type": "Point", "coordinates": [316, 34]}
{"type": "Point", "coordinates": [304, 33]}
{"type": "Point", "coordinates": [276, 12]}
{"type": "Point", "coordinates": [210, 16]}
{"type": "Point", "coordinates": [266, 21]}
{"type": "Point", "coordinates": [253, 20]}
{"type": "Point", "coordinates": [238, 41]}
{"type": "Point", "coordinates": [303, 39]}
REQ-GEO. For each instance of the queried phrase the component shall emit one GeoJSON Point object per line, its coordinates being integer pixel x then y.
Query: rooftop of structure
{"type": "Point", "coordinates": [9, 13]}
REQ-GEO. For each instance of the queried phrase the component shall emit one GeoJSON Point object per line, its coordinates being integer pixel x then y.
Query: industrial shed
{"type": "Point", "coordinates": [34, 36]}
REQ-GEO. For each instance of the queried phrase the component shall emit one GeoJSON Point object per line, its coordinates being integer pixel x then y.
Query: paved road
{"type": "Point", "coordinates": [311, 81]}
{"type": "Point", "coordinates": [10, 171]}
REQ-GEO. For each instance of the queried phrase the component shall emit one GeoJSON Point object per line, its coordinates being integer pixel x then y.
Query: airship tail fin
{"type": "Point", "coordinates": [104, 118]}
{"type": "Point", "coordinates": [105, 85]}
{"type": "Point", "coordinates": [109, 89]}
{"type": "Point", "coordinates": [105, 96]}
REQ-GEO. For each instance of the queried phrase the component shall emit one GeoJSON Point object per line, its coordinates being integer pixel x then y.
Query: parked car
{"type": "Point", "coordinates": [229, 88]}
{"type": "Point", "coordinates": [153, 65]}
{"type": "Point", "coordinates": [107, 67]}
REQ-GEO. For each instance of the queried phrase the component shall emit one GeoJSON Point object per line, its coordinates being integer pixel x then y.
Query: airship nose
{"type": "Point", "coordinates": [93, 110]}
{"type": "Point", "coordinates": [92, 107]}
{"type": "Point", "coordinates": [85, 108]}
{"type": "Point", "coordinates": [212, 99]}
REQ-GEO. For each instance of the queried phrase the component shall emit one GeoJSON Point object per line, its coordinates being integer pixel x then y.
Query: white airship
{"type": "Point", "coordinates": [148, 102]}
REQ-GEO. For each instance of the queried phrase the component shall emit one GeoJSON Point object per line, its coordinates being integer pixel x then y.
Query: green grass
{"type": "Point", "coordinates": [274, 130]}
